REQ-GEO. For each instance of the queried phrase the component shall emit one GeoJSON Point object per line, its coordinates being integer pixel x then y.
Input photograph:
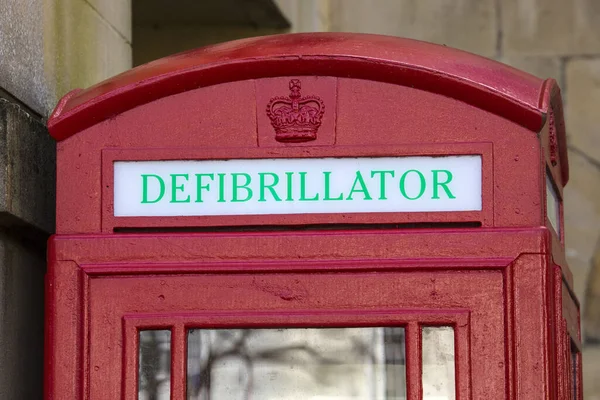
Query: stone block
{"type": "Point", "coordinates": [591, 312]}
{"type": "Point", "coordinates": [82, 48]}
{"type": "Point", "coordinates": [49, 47]}
{"type": "Point", "coordinates": [289, 9]}
{"type": "Point", "coordinates": [542, 67]}
{"type": "Point", "coordinates": [582, 218]}
{"type": "Point", "coordinates": [28, 160]}
{"type": "Point", "coordinates": [582, 98]}
{"type": "Point", "coordinates": [152, 43]}
{"type": "Point", "coordinates": [591, 372]}
{"type": "Point", "coordinates": [22, 53]}
{"type": "Point", "coordinates": [550, 27]}
{"type": "Point", "coordinates": [115, 13]}
{"type": "Point", "coordinates": [22, 267]}
{"type": "Point", "coordinates": [260, 14]}
{"type": "Point", "coordinates": [306, 15]}
{"type": "Point", "coordinates": [469, 25]}
{"type": "Point", "coordinates": [582, 222]}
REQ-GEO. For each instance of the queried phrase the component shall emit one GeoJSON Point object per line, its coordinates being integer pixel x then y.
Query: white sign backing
{"type": "Point", "coordinates": [297, 186]}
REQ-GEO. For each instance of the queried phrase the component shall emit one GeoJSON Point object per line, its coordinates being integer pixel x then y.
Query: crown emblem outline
{"type": "Point", "coordinates": [295, 118]}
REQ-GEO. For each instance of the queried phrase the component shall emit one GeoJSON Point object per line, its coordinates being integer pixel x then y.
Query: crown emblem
{"type": "Point", "coordinates": [295, 118]}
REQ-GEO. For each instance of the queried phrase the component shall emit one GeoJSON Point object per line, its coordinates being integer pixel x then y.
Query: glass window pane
{"type": "Point", "coordinates": [296, 363]}
{"type": "Point", "coordinates": [438, 363]}
{"type": "Point", "coordinates": [395, 363]}
{"type": "Point", "coordinates": [154, 372]}
{"type": "Point", "coordinates": [552, 205]}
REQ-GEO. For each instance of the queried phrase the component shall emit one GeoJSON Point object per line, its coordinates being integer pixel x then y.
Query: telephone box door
{"type": "Point", "coordinates": [232, 325]}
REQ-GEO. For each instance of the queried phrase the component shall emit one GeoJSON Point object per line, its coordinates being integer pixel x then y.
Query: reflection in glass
{"type": "Point", "coordinates": [552, 205]}
{"type": "Point", "coordinates": [438, 363]}
{"type": "Point", "coordinates": [154, 371]}
{"type": "Point", "coordinates": [296, 363]}
{"type": "Point", "coordinates": [395, 363]}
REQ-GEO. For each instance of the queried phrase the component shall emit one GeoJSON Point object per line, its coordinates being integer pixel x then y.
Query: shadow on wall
{"type": "Point", "coordinates": [159, 31]}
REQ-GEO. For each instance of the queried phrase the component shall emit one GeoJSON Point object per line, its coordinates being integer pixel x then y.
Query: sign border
{"type": "Point", "coordinates": [111, 223]}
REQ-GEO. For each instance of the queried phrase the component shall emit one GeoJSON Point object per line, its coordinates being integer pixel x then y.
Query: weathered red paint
{"type": "Point", "coordinates": [505, 285]}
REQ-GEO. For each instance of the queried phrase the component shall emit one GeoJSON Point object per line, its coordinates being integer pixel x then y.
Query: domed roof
{"type": "Point", "coordinates": [484, 83]}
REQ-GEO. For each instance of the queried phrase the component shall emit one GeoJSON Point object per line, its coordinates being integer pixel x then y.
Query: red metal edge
{"type": "Point", "coordinates": [49, 319]}
{"type": "Point", "coordinates": [64, 347]}
{"type": "Point", "coordinates": [481, 82]}
{"type": "Point", "coordinates": [355, 265]}
{"type": "Point", "coordinates": [63, 103]}
{"type": "Point", "coordinates": [531, 282]}
{"type": "Point", "coordinates": [551, 100]}
{"type": "Point", "coordinates": [230, 246]}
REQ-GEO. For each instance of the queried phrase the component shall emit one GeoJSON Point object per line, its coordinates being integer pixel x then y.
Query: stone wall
{"type": "Point", "coordinates": [548, 38]}
{"type": "Point", "coordinates": [26, 216]}
{"type": "Point", "coordinates": [47, 47]}
{"type": "Point", "coordinates": [189, 24]}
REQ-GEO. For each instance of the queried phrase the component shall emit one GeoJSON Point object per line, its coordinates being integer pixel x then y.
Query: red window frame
{"type": "Point", "coordinates": [413, 320]}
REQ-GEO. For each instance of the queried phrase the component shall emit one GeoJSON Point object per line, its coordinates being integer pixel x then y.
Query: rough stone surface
{"type": "Point", "coordinates": [222, 13]}
{"type": "Point", "coordinates": [152, 43]}
{"type": "Point", "coordinates": [469, 25]}
{"type": "Point", "coordinates": [543, 67]}
{"type": "Point", "coordinates": [591, 372]}
{"type": "Point", "coordinates": [551, 27]}
{"type": "Point", "coordinates": [22, 52]}
{"type": "Point", "coordinates": [81, 46]}
{"type": "Point", "coordinates": [307, 15]}
{"type": "Point", "coordinates": [591, 317]}
{"type": "Point", "coordinates": [27, 203]}
{"type": "Point", "coordinates": [22, 267]}
{"type": "Point", "coordinates": [194, 24]}
{"type": "Point", "coordinates": [583, 104]}
{"type": "Point", "coordinates": [582, 218]}
{"type": "Point", "coordinates": [27, 179]}
{"type": "Point", "coordinates": [116, 13]}
{"type": "Point", "coordinates": [49, 47]}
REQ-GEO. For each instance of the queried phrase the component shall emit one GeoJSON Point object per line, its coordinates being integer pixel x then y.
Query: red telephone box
{"type": "Point", "coordinates": [312, 216]}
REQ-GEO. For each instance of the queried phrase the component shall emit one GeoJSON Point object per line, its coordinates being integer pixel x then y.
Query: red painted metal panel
{"type": "Point", "coordinates": [175, 275]}
{"type": "Point", "coordinates": [220, 122]}
{"type": "Point", "coordinates": [245, 247]}
{"type": "Point", "coordinates": [313, 296]}
{"type": "Point", "coordinates": [505, 285]}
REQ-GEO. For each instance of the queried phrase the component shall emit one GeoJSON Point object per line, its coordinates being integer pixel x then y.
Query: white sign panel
{"type": "Point", "coordinates": [297, 186]}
